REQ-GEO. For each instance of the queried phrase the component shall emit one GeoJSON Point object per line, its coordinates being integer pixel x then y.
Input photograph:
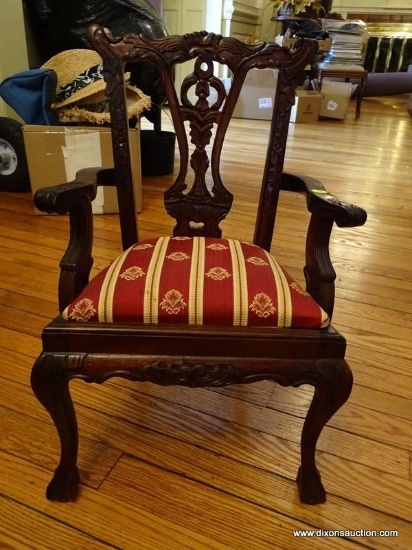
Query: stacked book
{"type": "Point", "coordinates": [349, 40]}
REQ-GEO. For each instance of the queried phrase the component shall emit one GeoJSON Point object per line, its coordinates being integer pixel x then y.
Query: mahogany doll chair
{"type": "Point", "coordinates": [195, 309]}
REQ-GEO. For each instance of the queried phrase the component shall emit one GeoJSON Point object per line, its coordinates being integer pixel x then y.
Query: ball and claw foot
{"type": "Point", "coordinates": [310, 487]}
{"type": "Point", "coordinates": [64, 485]}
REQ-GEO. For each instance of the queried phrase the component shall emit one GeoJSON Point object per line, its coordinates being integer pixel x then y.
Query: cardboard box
{"type": "Point", "coordinates": [56, 153]}
{"type": "Point", "coordinates": [306, 107]}
{"type": "Point", "coordinates": [212, 97]}
{"type": "Point", "coordinates": [335, 99]}
{"type": "Point", "coordinates": [288, 42]}
{"type": "Point", "coordinates": [257, 95]}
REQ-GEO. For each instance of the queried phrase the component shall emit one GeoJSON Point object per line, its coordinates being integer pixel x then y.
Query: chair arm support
{"type": "Point", "coordinates": [322, 203]}
{"type": "Point", "coordinates": [75, 198]}
{"type": "Point", "coordinates": [326, 210]}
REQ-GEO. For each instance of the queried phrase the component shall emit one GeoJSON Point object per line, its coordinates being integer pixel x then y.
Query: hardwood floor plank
{"type": "Point", "coordinates": [22, 528]}
{"type": "Point", "coordinates": [400, 334]}
{"type": "Point", "coordinates": [383, 402]}
{"type": "Point", "coordinates": [258, 394]}
{"type": "Point", "coordinates": [11, 340]}
{"type": "Point", "coordinates": [194, 416]}
{"type": "Point", "coordinates": [372, 342]}
{"type": "Point", "coordinates": [296, 402]}
{"type": "Point", "coordinates": [382, 491]}
{"type": "Point", "coordinates": [389, 304]}
{"type": "Point", "coordinates": [32, 284]}
{"type": "Point", "coordinates": [17, 431]}
{"type": "Point", "coordinates": [390, 366]}
{"type": "Point", "coordinates": [258, 486]}
{"type": "Point", "coordinates": [124, 525]}
{"type": "Point", "coordinates": [172, 497]}
{"type": "Point", "coordinates": [375, 318]}
{"type": "Point", "coordinates": [15, 317]}
{"type": "Point", "coordinates": [369, 423]}
{"type": "Point", "coordinates": [26, 304]}
{"type": "Point", "coordinates": [276, 423]}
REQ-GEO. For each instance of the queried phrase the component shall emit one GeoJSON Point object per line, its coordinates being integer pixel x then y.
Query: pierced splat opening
{"type": "Point", "coordinates": [196, 225]}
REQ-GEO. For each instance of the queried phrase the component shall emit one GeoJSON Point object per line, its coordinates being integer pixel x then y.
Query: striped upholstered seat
{"type": "Point", "coordinates": [196, 281]}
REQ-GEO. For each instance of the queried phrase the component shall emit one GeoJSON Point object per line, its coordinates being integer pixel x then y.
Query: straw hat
{"type": "Point", "coordinates": [80, 93]}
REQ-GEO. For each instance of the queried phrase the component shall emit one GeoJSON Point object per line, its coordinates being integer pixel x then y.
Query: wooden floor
{"type": "Point", "coordinates": [174, 468]}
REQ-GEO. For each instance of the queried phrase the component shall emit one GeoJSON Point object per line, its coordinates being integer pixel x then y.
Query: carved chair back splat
{"type": "Point", "coordinates": [195, 309]}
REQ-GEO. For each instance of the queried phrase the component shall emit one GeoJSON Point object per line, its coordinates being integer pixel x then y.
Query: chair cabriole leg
{"type": "Point", "coordinates": [333, 386]}
{"type": "Point", "coordinates": [50, 384]}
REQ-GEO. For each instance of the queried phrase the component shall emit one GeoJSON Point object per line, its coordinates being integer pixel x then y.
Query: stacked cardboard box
{"type": "Point", "coordinates": [335, 98]}
{"type": "Point", "coordinates": [257, 95]}
{"type": "Point", "coordinates": [56, 153]}
{"type": "Point", "coordinates": [307, 106]}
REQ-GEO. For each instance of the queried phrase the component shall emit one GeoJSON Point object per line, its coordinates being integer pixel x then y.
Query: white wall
{"type": "Point", "coordinates": [13, 49]}
{"type": "Point", "coordinates": [245, 18]}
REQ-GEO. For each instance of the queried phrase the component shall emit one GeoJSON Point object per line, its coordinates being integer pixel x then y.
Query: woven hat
{"type": "Point", "coordinates": [80, 93]}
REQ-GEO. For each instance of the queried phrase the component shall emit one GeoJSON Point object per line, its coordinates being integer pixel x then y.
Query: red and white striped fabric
{"type": "Point", "coordinates": [196, 281]}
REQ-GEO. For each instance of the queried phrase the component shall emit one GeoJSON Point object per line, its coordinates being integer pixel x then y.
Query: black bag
{"type": "Point", "coordinates": [307, 28]}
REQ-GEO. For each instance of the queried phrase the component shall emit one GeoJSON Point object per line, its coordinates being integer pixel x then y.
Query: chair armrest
{"type": "Point", "coordinates": [322, 203]}
{"type": "Point", "coordinates": [326, 210]}
{"type": "Point", "coordinates": [60, 199]}
{"type": "Point", "coordinates": [75, 198]}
